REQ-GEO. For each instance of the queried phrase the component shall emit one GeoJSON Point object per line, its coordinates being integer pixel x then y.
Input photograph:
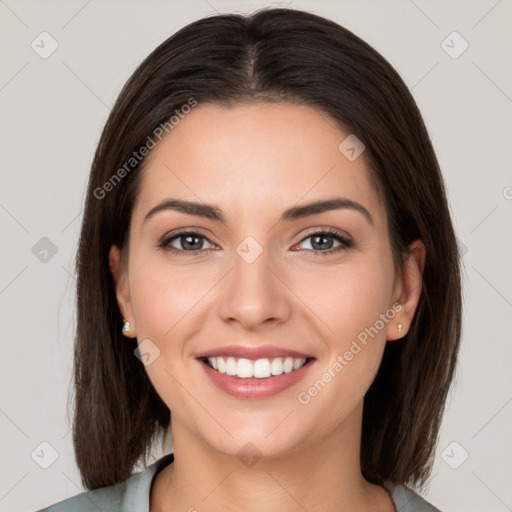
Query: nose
{"type": "Point", "coordinates": [255, 294]}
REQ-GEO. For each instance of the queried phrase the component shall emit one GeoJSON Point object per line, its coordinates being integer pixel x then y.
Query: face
{"type": "Point", "coordinates": [242, 279]}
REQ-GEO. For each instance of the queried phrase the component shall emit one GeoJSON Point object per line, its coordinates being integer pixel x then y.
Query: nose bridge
{"type": "Point", "coordinates": [254, 293]}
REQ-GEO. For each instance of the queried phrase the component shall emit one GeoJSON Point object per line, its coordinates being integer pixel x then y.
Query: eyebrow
{"type": "Point", "coordinates": [294, 213]}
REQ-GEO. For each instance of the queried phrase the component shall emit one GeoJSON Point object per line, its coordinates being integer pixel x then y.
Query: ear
{"type": "Point", "coordinates": [120, 277]}
{"type": "Point", "coordinates": [408, 291]}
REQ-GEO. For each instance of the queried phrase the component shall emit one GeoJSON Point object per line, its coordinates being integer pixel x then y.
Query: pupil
{"type": "Point", "coordinates": [322, 245]}
{"type": "Point", "coordinates": [192, 245]}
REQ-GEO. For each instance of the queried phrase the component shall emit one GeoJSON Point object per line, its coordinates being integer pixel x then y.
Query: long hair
{"type": "Point", "coordinates": [272, 55]}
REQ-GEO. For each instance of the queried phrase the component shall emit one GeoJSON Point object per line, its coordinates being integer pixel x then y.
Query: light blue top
{"type": "Point", "coordinates": [133, 495]}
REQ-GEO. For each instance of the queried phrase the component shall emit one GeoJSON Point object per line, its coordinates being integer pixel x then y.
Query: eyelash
{"type": "Point", "coordinates": [345, 243]}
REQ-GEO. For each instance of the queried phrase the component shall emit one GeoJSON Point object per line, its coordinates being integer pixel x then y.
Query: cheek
{"type": "Point", "coordinates": [165, 297]}
{"type": "Point", "coordinates": [347, 299]}
{"type": "Point", "coordinates": [352, 307]}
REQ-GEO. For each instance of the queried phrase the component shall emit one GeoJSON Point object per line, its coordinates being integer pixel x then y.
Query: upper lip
{"type": "Point", "coordinates": [252, 352]}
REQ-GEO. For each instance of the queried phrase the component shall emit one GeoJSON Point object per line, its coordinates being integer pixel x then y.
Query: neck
{"type": "Point", "coordinates": [315, 477]}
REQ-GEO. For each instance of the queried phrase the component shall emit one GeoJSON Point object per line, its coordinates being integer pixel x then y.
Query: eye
{"type": "Point", "coordinates": [322, 242]}
{"type": "Point", "coordinates": [185, 242]}
{"type": "Point", "coordinates": [190, 243]}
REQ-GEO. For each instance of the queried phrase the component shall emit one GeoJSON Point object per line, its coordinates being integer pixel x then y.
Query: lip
{"type": "Point", "coordinates": [253, 353]}
{"type": "Point", "coordinates": [255, 388]}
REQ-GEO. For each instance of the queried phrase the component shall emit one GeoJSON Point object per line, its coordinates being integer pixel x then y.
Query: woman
{"type": "Point", "coordinates": [267, 267]}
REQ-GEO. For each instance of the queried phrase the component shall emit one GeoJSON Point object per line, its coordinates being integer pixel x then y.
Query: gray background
{"type": "Point", "coordinates": [52, 113]}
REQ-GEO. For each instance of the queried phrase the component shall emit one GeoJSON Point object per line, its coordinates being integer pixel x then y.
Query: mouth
{"type": "Point", "coordinates": [263, 368]}
{"type": "Point", "coordinates": [247, 374]}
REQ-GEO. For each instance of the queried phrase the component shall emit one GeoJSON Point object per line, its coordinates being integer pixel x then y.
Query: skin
{"type": "Point", "coordinates": [253, 162]}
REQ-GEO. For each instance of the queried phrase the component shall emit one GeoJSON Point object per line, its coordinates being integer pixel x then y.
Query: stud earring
{"type": "Point", "coordinates": [399, 328]}
{"type": "Point", "coordinates": [126, 327]}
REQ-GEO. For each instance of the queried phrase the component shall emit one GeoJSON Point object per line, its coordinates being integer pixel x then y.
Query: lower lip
{"type": "Point", "coordinates": [255, 388]}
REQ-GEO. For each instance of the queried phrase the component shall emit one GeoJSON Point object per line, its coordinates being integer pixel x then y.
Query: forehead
{"type": "Point", "coordinates": [253, 157]}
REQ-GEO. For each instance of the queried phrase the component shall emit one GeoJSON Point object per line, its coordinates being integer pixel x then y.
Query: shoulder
{"type": "Point", "coordinates": [105, 498]}
{"type": "Point", "coordinates": [131, 495]}
{"type": "Point", "coordinates": [406, 500]}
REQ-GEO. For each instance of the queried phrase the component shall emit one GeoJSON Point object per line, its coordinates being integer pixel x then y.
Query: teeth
{"type": "Point", "coordinates": [261, 368]}
{"type": "Point", "coordinates": [231, 366]}
{"type": "Point", "coordinates": [288, 365]}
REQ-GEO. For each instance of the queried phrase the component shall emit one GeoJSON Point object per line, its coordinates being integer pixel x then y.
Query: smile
{"type": "Point", "coordinates": [260, 378]}
{"type": "Point", "coordinates": [260, 368]}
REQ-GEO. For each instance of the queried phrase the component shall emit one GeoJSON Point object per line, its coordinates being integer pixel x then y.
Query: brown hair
{"type": "Point", "coordinates": [275, 55]}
